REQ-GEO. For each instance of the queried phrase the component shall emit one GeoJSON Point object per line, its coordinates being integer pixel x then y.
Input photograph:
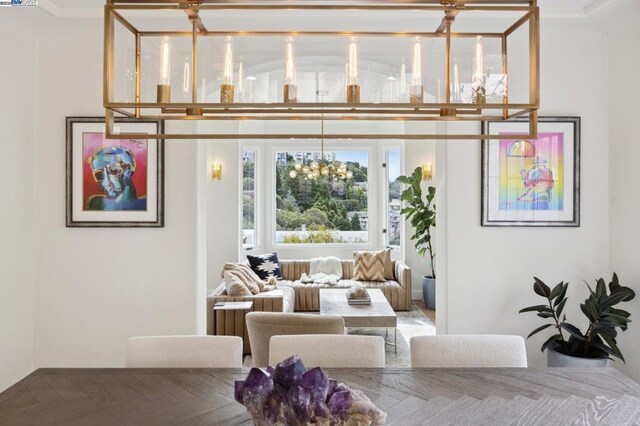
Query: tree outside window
{"type": "Point", "coordinates": [325, 210]}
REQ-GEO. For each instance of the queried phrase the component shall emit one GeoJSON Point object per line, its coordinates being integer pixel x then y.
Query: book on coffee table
{"type": "Point", "coordinates": [359, 301]}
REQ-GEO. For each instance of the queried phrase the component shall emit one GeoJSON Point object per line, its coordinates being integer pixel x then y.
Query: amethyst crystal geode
{"type": "Point", "coordinates": [292, 395]}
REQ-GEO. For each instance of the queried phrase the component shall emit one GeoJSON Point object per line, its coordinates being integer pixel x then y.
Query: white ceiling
{"type": "Point", "coordinates": [93, 8]}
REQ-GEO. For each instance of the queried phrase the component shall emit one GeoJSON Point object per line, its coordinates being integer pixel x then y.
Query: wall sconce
{"type": "Point", "coordinates": [216, 171]}
{"type": "Point", "coordinates": [427, 172]}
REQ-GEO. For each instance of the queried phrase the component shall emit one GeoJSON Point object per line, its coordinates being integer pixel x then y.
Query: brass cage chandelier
{"type": "Point", "coordinates": [464, 80]}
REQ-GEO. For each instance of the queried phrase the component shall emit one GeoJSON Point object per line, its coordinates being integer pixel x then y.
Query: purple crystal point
{"type": "Point", "coordinates": [335, 386]}
{"type": "Point", "coordinates": [339, 404]}
{"type": "Point", "coordinates": [271, 370]}
{"type": "Point", "coordinates": [316, 383]}
{"type": "Point", "coordinates": [354, 406]}
{"type": "Point", "coordinates": [278, 410]}
{"type": "Point", "coordinates": [274, 407]}
{"type": "Point", "coordinates": [257, 388]}
{"type": "Point", "coordinates": [238, 390]}
{"type": "Point", "coordinates": [289, 371]}
{"type": "Point", "coordinates": [300, 402]}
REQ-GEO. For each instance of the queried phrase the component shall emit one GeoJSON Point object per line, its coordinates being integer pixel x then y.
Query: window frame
{"type": "Point", "coordinates": [384, 182]}
{"type": "Point", "coordinates": [315, 148]}
{"type": "Point", "coordinates": [257, 210]}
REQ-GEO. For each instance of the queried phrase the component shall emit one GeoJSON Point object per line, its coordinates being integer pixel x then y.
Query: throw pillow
{"type": "Point", "coordinates": [388, 265]}
{"type": "Point", "coordinates": [235, 286]}
{"type": "Point", "coordinates": [368, 265]}
{"type": "Point", "coordinates": [265, 266]}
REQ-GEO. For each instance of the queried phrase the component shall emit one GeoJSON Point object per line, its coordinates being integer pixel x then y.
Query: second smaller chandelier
{"type": "Point", "coordinates": [322, 167]}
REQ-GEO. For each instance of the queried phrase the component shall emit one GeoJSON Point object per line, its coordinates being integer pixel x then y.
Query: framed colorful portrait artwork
{"type": "Point", "coordinates": [532, 182]}
{"type": "Point", "coordinates": [114, 182]}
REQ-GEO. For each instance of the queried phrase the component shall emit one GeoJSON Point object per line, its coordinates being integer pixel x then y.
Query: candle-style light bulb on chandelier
{"type": "Point", "coordinates": [290, 90]}
{"type": "Point", "coordinates": [471, 86]}
{"type": "Point", "coordinates": [164, 71]}
{"type": "Point", "coordinates": [226, 88]}
{"type": "Point", "coordinates": [353, 87]}
{"type": "Point", "coordinates": [479, 77]}
{"type": "Point", "coordinates": [417, 89]}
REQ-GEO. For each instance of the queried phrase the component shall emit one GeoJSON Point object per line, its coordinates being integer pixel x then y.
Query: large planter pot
{"type": "Point", "coordinates": [557, 359]}
{"type": "Point", "coordinates": [429, 292]}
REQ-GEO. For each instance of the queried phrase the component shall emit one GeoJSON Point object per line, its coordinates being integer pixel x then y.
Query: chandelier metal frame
{"type": "Point", "coordinates": [441, 111]}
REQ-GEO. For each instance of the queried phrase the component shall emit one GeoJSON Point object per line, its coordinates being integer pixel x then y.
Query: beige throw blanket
{"type": "Point", "coordinates": [236, 276]}
{"type": "Point", "coordinates": [324, 270]}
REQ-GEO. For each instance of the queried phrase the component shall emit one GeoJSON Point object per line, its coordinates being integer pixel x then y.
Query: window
{"type": "Point", "coordinates": [324, 210]}
{"type": "Point", "coordinates": [393, 204]}
{"type": "Point", "coordinates": [249, 235]}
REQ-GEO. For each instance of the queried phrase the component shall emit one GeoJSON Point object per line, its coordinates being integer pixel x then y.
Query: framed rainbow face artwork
{"type": "Point", "coordinates": [114, 182]}
{"type": "Point", "coordinates": [532, 182]}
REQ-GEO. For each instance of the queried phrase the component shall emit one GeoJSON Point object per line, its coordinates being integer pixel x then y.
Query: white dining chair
{"type": "Point", "coordinates": [329, 350]}
{"type": "Point", "coordinates": [468, 351]}
{"type": "Point", "coordinates": [184, 352]}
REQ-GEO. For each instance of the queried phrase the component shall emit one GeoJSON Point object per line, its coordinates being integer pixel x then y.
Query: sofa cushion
{"type": "Point", "coordinates": [288, 299]}
{"type": "Point", "coordinates": [287, 293]}
{"type": "Point", "coordinates": [388, 265]}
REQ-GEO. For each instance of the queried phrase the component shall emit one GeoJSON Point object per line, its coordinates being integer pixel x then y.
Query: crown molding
{"type": "Point", "coordinates": [54, 9]}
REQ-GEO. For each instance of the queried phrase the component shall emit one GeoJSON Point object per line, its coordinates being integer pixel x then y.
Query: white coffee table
{"type": "Point", "coordinates": [379, 314]}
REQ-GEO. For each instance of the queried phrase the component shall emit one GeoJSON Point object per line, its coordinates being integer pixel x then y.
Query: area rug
{"type": "Point", "coordinates": [410, 323]}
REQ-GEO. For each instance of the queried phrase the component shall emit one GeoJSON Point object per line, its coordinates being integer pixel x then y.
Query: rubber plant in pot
{"type": "Point", "coordinates": [569, 346]}
{"type": "Point", "coordinates": [420, 210]}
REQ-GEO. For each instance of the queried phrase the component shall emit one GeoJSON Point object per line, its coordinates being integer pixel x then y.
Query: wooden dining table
{"type": "Point", "coordinates": [408, 396]}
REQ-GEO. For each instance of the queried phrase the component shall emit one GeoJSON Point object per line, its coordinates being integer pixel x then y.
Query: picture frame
{"type": "Point", "coordinates": [114, 183]}
{"type": "Point", "coordinates": [532, 183]}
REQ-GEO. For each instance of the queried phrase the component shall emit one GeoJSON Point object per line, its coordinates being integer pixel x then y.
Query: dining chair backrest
{"type": "Point", "coordinates": [262, 325]}
{"type": "Point", "coordinates": [184, 352]}
{"type": "Point", "coordinates": [470, 351]}
{"type": "Point", "coordinates": [329, 350]}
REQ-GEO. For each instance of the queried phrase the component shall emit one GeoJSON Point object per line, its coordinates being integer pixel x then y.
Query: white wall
{"type": "Point", "coordinates": [490, 270]}
{"type": "Point", "coordinates": [623, 31]}
{"type": "Point", "coordinates": [222, 205]}
{"type": "Point", "coordinates": [97, 287]}
{"type": "Point", "coordinates": [17, 136]}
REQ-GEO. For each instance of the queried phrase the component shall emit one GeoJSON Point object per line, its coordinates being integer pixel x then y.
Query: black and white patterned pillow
{"type": "Point", "coordinates": [266, 265]}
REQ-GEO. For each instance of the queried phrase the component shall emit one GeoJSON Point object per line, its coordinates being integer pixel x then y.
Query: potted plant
{"type": "Point", "coordinates": [577, 349]}
{"type": "Point", "coordinates": [421, 211]}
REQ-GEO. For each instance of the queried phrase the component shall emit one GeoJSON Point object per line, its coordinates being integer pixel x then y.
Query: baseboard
{"type": "Point", "coordinates": [416, 294]}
